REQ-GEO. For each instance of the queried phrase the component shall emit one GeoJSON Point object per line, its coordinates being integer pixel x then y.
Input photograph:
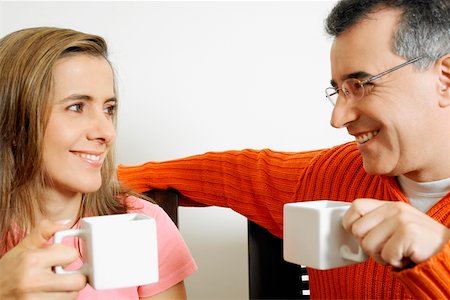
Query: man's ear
{"type": "Point", "coordinates": [444, 80]}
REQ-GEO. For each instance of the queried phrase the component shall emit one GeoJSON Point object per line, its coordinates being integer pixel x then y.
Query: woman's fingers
{"type": "Point", "coordinates": [30, 265]}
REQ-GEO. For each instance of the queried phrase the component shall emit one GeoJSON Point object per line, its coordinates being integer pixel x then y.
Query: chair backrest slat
{"type": "Point", "coordinates": [270, 276]}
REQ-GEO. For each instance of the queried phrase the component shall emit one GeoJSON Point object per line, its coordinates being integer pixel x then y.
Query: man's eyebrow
{"type": "Point", "coordinates": [357, 75]}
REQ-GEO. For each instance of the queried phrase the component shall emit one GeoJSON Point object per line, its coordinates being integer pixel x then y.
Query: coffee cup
{"type": "Point", "coordinates": [313, 235]}
{"type": "Point", "coordinates": [118, 250]}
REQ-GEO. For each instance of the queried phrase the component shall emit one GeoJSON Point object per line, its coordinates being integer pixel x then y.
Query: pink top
{"type": "Point", "coordinates": [175, 260]}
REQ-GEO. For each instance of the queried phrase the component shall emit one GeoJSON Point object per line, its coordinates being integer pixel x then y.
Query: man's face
{"type": "Point", "coordinates": [399, 126]}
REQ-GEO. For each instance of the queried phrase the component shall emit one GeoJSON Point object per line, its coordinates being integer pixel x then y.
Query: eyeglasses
{"type": "Point", "coordinates": [356, 89]}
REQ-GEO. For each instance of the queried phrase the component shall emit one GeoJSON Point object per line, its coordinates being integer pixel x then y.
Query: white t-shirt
{"type": "Point", "coordinates": [424, 195]}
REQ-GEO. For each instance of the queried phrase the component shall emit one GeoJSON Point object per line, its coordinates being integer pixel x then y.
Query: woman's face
{"type": "Point", "coordinates": [80, 129]}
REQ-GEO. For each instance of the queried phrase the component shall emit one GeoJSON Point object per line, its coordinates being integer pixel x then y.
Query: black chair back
{"type": "Point", "coordinates": [270, 276]}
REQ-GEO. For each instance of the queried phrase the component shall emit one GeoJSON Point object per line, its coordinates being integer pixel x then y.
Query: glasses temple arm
{"type": "Point", "coordinates": [393, 69]}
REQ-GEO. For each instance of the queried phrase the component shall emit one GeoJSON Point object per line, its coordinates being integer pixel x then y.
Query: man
{"type": "Point", "coordinates": [391, 90]}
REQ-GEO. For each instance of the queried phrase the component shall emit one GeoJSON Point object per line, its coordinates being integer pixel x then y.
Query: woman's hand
{"type": "Point", "coordinates": [395, 233]}
{"type": "Point", "coordinates": [26, 270]}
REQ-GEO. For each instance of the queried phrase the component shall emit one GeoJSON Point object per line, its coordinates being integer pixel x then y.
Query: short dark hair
{"type": "Point", "coordinates": [424, 28]}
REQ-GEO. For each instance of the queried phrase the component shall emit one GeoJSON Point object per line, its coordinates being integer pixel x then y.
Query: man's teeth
{"type": "Point", "coordinates": [361, 139]}
{"type": "Point", "coordinates": [89, 156]}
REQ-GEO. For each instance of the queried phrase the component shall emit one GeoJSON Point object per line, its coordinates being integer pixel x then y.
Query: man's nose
{"type": "Point", "coordinates": [344, 113]}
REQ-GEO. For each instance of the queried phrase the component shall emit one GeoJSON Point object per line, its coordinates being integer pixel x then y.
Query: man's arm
{"type": "Point", "coordinates": [254, 183]}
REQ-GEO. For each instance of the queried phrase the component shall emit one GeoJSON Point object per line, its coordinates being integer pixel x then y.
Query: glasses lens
{"type": "Point", "coordinates": [353, 88]}
{"type": "Point", "coordinates": [332, 95]}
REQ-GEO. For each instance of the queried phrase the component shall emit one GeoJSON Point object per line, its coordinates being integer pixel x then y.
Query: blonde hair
{"type": "Point", "coordinates": [27, 58]}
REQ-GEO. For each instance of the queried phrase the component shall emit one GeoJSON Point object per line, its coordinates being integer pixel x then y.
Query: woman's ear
{"type": "Point", "coordinates": [444, 80]}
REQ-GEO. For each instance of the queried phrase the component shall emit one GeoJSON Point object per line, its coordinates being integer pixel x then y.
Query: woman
{"type": "Point", "coordinates": [57, 112]}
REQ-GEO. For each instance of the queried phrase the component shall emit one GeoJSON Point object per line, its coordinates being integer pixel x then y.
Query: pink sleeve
{"type": "Point", "coordinates": [175, 260]}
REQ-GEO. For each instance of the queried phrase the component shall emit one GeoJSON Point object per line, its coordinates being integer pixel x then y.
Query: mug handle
{"type": "Point", "coordinates": [347, 253]}
{"type": "Point", "coordinates": [59, 236]}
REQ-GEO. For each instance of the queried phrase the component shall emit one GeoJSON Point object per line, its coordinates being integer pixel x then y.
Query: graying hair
{"type": "Point", "coordinates": [424, 28]}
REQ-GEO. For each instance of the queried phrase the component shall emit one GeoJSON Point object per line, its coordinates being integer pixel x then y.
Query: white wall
{"type": "Point", "coordinates": [201, 76]}
{"type": "Point", "coordinates": [1, 17]}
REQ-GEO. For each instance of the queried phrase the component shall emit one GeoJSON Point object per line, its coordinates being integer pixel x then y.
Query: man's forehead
{"type": "Point", "coordinates": [365, 47]}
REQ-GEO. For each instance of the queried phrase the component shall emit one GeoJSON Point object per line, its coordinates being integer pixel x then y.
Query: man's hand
{"type": "Point", "coordinates": [395, 233]}
{"type": "Point", "coordinates": [26, 270]}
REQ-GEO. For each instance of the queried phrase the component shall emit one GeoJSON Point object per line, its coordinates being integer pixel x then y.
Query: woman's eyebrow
{"type": "Point", "coordinates": [85, 97]}
{"type": "Point", "coordinates": [77, 97]}
{"type": "Point", "coordinates": [112, 99]}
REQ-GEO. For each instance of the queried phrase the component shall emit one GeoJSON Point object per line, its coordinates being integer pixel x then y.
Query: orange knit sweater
{"type": "Point", "coordinates": [257, 184]}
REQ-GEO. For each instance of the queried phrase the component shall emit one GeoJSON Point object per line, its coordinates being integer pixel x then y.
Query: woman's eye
{"type": "Point", "coordinates": [110, 110]}
{"type": "Point", "coordinates": [75, 107]}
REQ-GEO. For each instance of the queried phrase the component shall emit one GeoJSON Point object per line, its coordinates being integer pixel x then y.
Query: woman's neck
{"type": "Point", "coordinates": [59, 206]}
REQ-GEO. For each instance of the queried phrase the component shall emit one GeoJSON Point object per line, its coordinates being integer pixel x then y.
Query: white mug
{"type": "Point", "coordinates": [313, 235]}
{"type": "Point", "coordinates": [118, 250]}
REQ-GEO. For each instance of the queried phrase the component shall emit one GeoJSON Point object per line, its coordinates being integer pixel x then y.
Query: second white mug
{"type": "Point", "coordinates": [313, 235]}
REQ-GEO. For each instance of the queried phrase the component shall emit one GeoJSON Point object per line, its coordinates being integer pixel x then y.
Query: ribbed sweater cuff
{"type": "Point", "coordinates": [430, 279]}
{"type": "Point", "coordinates": [134, 177]}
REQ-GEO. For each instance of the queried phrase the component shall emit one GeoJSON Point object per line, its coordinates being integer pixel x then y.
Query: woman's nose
{"type": "Point", "coordinates": [102, 128]}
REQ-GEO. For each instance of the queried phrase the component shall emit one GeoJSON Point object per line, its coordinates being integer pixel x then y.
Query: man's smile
{"type": "Point", "coordinates": [365, 137]}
